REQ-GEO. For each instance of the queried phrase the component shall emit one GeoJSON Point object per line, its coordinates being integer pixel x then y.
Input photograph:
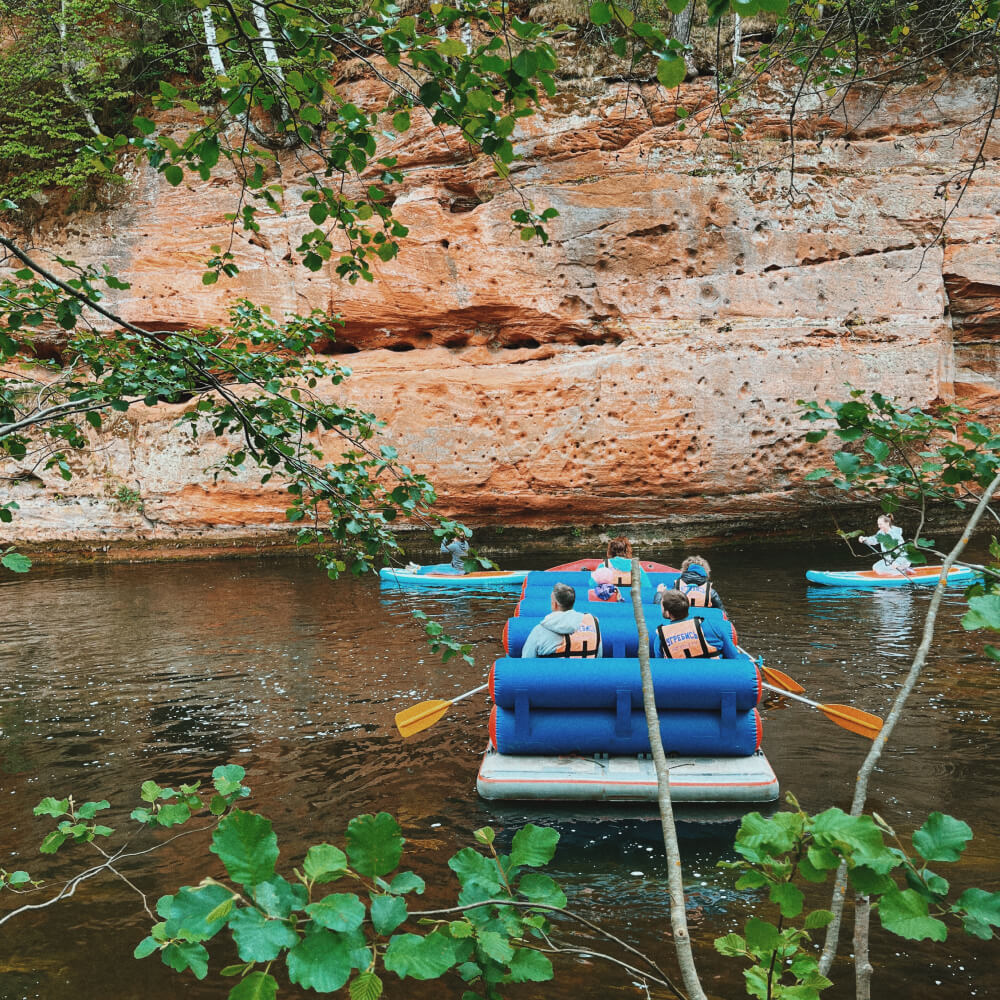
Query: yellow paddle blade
{"type": "Point", "coordinates": [853, 719]}
{"type": "Point", "coordinates": [781, 680]}
{"type": "Point", "coordinates": [417, 718]}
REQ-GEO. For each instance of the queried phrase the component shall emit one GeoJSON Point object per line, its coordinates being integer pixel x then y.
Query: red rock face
{"type": "Point", "coordinates": [643, 367]}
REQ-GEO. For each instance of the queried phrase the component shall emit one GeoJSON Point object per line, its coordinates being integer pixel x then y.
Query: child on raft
{"type": "Point", "coordinates": [893, 559]}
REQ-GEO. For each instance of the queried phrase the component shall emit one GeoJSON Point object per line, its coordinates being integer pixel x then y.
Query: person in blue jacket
{"type": "Point", "coordinates": [687, 636]}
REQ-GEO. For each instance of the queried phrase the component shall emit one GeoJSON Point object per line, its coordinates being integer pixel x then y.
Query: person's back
{"type": "Point", "coordinates": [619, 560]}
{"type": "Point", "coordinates": [695, 583]}
{"type": "Point", "coordinates": [563, 632]}
{"type": "Point", "coordinates": [685, 636]}
{"type": "Point", "coordinates": [458, 549]}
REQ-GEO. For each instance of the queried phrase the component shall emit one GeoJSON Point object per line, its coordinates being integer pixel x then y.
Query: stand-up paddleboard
{"type": "Point", "coordinates": [432, 576]}
{"type": "Point", "coordinates": [869, 579]}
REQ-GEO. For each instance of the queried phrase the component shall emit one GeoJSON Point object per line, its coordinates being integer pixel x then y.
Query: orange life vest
{"type": "Point", "coordinates": [699, 595]}
{"type": "Point", "coordinates": [684, 639]}
{"type": "Point", "coordinates": [585, 641]}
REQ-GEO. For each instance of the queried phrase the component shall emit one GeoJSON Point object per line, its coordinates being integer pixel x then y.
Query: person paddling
{"type": "Point", "coordinates": [458, 548]}
{"type": "Point", "coordinates": [893, 559]}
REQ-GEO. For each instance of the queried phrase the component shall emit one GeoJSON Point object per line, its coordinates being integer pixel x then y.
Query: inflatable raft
{"type": "Point", "coordinates": [868, 579]}
{"type": "Point", "coordinates": [574, 729]}
{"type": "Point", "coordinates": [435, 576]}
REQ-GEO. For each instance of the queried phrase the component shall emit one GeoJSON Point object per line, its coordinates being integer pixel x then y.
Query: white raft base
{"type": "Point", "coordinates": [603, 778]}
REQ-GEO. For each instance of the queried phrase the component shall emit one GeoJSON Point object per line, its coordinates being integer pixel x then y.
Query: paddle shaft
{"type": "Point", "coordinates": [778, 678]}
{"type": "Point", "coordinates": [469, 694]}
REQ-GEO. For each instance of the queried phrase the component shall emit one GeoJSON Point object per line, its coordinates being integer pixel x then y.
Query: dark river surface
{"type": "Point", "coordinates": [113, 675]}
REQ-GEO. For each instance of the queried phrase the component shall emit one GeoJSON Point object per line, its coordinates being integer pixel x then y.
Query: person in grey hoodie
{"type": "Point", "coordinates": [458, 549]}
{"type": "Point", "coordinates": [550, 633]}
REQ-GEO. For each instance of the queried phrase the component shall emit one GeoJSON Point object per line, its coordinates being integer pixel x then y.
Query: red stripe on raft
{"type": "Point", "coordinates": [624, 784]}
{"type": "Point", "coordinates": [506, 643]}
{"type": "Point", "coordinates": [493, 726]}
{"type": "Point", "coordinates": [760, 728]}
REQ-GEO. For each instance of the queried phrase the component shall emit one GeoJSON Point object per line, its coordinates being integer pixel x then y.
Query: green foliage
{"type": "Point", "coordinates": [328, 941]}
{"type": "Point", "coordinates": [106, 58]}
{"type": "Point", "coordinates": [904, 454]}
{"type": "Point", "coordinates": [791, 849]}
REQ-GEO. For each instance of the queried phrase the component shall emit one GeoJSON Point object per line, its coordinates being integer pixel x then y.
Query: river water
{"type": "Point", "coordinates": [112, 675]}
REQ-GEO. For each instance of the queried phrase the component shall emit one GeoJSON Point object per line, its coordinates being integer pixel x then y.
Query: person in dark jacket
{"type": "Point", "coordinates": [695, 583]}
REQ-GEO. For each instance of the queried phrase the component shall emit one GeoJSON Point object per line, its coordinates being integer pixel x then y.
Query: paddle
{"type": "Point", "coordinates": [778, 678]}
{"type": "Point", "coordinates": [417, 718]}
{"type": "Point", "coordinates": [852, 719]}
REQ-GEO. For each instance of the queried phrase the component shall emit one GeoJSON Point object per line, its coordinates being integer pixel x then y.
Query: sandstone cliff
{"type": "Point", "coordinates": [645, 363]}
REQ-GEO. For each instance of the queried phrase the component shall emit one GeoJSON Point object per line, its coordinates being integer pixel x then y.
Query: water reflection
{"type": "Point", "coordinates": [111, 675]}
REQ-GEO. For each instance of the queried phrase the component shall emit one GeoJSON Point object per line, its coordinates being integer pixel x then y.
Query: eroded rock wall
{"type": "Point", "coordinates": [641, 368]}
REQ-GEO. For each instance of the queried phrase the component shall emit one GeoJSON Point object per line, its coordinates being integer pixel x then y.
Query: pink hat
{"type": "Point", "coordinates": [603, 574]}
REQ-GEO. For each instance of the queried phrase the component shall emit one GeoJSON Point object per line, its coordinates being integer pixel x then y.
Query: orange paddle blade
{"type": "Point", "coordinates": [781, 680]}
{"type": "Point", "coordinates": [853, 719]}
{"type": "Point", "coordinates": [417, 718]}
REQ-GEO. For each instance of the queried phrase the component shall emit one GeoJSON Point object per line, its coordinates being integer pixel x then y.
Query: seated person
{"type": "Point", "coordinates": [604, 588]}
{"type": "Point", "coordinates": [619, 560]}
{"type": "Point", "coordinates": [694, 581]}
{"type": "Point", "coordinates": [458, 548]}
{"type": "Point", "coordinates": [564, 632]}
{"type": "Point", "coordinates": [686, 636]}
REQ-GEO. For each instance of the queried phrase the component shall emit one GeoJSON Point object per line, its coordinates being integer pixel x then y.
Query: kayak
{"type": "Point", "coordinates": [432, 576]}
{"type": "Point", "coordinates": [869, 579]}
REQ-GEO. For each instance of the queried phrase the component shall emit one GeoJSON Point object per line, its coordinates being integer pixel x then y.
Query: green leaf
{"type": "Point", "coordinates": [374, 844]}
{"type": "Point", "coordinates": [600, 14]}
{"type": "Point", "coordinates": [530, 966]}
{"type": "Point", "coordinates": [388, 912]}
{"type": "Point", "coordinates": [173, 814]}
{"type": "Point", "coordinates": [365, 986]}
{"type": "Point", "coordinates": [788, 898]}
{"type": "Point", "coordinates": [278, 897]}
{"type": "Point", "coordinates": [15, 562]}
{"type": "Point", "coordinates": [144, 125]}
{"type": "Point", "coordinates": [415, 957]}
{"type": "Point", "coordinates": [340, 911]}
{"type": "Point", "coordinates": [401, 121]}
{"type": "Point", "coordinates": [817, 919]}
{"type": "Point", "coordinates": [533, 846]}
{"type": "Point", "coordinates": [145, 947]}
{"type": "Point", "coordinates": [173, 174]}
{"type": "Point", "coordinates": [194, 912]}
{"type": "Point", "coordinates": [406, 882]}
{"type": "Point", "coordinates": [541, 889]}
{"type": "Point", "coordinates": [906, 914]}
{"type": "Point", "coordinates": [495, 945]}
{"type": "Point", "coordinates": [847, 463]}
{"type": "Point", "coordinates": [259, 939]}
{"type": "Point", "coordinates": [984, 612]}
{"type": "Point", "coordinates": [469, 865]}
{"type": "Point", "coordinates": [247, 846]}
{"type": "Point", "coordinates": [670, 71]}
{"type": "Point", "coordinates": [878, 449]}
{"type": "Point", "coordinates": [942, 838]}
{"type": "Point", "coordinates": [762, 936]}
{"type": "Point", "coordinates": [181, 955]}
{"type": "Point", "coordinates": [980, 911]}
{"type": "Point", "coordinates": [51, 807]}
{"type": "Point", "coordinates": [257, 986]}
{"type": "Point", "coordinates": [732, 946]}
{"type": "Point", "coordinates": [325, 863]}
{"type": "Point", "coordinates": [321, 961]}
